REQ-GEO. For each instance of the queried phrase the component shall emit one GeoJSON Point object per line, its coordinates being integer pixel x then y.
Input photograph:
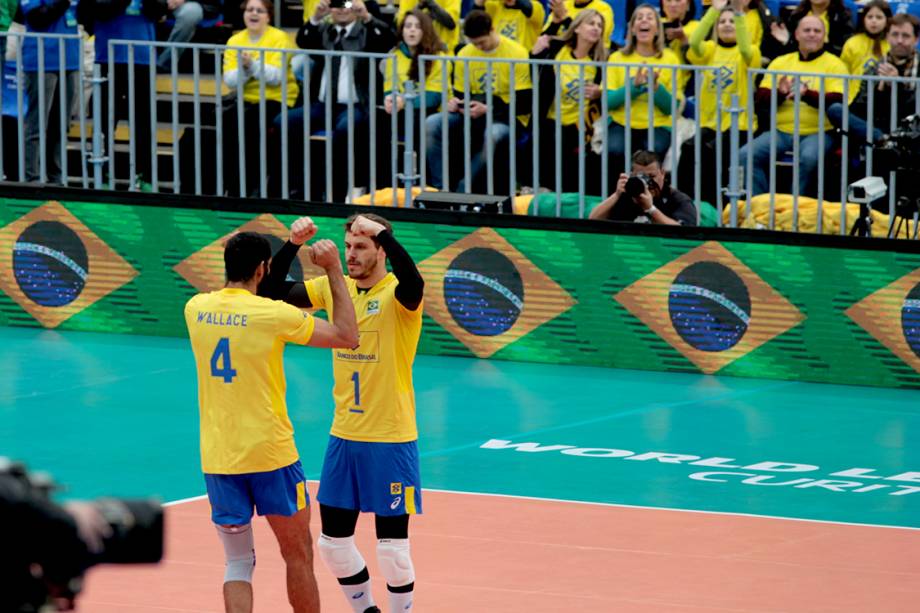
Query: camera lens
{"type": "Point", "coordinates": [635, 185]}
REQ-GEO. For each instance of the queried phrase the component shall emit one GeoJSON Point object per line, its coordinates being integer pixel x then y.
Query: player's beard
{"type": "Point", "coordinates": [364, 270]}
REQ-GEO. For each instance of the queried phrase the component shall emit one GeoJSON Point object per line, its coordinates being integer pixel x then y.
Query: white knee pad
{"type": "Point", "coordinates": [340, 555]}
{"type": "Point", "coordinates": [239, 551]}
{"type": "Point", "coordinates": [395, 561]}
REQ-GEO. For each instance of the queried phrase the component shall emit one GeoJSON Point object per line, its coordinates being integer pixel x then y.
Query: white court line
{"type": "Point", "coordinates": [624, 506]}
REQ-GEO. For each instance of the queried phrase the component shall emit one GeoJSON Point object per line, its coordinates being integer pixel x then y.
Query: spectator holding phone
{"type": "Point", "coordinates": [470, 98]}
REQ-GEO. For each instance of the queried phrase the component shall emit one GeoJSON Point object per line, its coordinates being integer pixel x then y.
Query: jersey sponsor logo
{"type": "Point", "coordinates": [509, 30]}
{"type": "Point", "coordinates": [488, 294]}
{"type": "Point", "coordinates": [366, 352]}
{"type": "Point", "coordinates": [708, 305]}
{"type": "Point", "coordinates": [54, 266]}
{"type": "Point", "coordinates": [396, 489]}
{"type": "Point", "coordinates": [723, 78]}
{"type": "Point", "coordinates": [204, 269]}
{"type": "Point", "coordinates": [730, 470]}
{"type": "Point", "coordinates": [892, 316]}
{"type": "Point", "coordinates": [373, 306]}
{"type": "Point", "coordinates": [395, 504]}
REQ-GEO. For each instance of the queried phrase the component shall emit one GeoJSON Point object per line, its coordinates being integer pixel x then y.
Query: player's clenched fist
{"type": "Point", "coordinates": [362, 226]}
{"type": "Point", "coordinates": [325, 254]}
{"type": "Point", "coordinates": [302, 230]}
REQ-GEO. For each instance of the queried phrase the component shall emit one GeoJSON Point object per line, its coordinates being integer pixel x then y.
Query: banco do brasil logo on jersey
{"type": "Point", "coordinates": [710, 306]}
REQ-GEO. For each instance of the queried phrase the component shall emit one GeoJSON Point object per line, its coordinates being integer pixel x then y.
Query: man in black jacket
{"type": "Point", "coordinates": [346, 81]}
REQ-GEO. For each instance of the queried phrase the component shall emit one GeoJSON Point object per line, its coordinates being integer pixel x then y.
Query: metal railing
{"type": "Point", "coordinates": [294, 159]}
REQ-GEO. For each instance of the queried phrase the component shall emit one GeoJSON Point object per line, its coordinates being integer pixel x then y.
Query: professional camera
{"type": "Point", "coordinates": [867, 190]}
{"type": "Point", "coordinates": [901, 148]}
{"type": "Point", "coordinates": [637, 183]}
{"type": "Point", "coordinates": [340, 4]}
{"type": "Point", "coordinates": [44, 556]}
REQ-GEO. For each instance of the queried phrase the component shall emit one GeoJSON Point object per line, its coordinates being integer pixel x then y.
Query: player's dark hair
{"type": "Point", "coordinates": [383, 222]}
{"type": "Point", "coordinates": [645, 158]}
{"type": "Point", "coordinates": [243, 255]}
{"type": "Point", "coordinates": [477, 23]}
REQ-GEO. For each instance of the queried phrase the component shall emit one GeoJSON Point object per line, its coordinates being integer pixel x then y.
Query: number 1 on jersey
{"type": "Point", "coordinates": [222, 353]}
{"type": "Point", "coordinates": [354, 377]}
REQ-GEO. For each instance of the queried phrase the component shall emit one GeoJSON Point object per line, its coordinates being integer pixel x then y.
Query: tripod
{"type": "Point", "coordinates": [905, 210]}
{"type": "Point", "coordinates": [863, 224]}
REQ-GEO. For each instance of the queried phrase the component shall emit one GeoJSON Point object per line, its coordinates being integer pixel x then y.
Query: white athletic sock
{"type": "Point", "coordinates": [359, 596]}
{"type": "Point", "coordinates": [400, 602]}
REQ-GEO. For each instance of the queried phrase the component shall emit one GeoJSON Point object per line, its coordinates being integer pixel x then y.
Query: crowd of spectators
{"type": "Point", "coordinates": [812, 48]}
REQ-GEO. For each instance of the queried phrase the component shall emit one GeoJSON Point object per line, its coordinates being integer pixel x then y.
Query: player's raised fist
{"type": "Point", "coordinates": [302, 230]}
{"type": "Point", "coordinates": [325, 254]}
{"type": "Point", "coordinates": [362, 226]}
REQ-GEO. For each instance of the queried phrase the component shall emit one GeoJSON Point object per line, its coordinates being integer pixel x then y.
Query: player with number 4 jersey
{"type": "Point", "coordinates": [248, 453]}
{"type": "Point", "coordinates": [371, 463]}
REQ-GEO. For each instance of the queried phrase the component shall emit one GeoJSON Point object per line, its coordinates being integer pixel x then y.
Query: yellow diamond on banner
{"type": "Point", "coordinates": [892, 316]}
{"type": "Point", "coordinates": [53, 266]}
{"type": "Point", "coordinates": [204, 269]}
{"type": "Point", "coordinates": [709, 306]}
{"type": "Point", "coordinates": [487, 293]}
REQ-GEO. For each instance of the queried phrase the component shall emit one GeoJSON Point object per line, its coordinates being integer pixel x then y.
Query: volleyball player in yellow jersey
{"type": "Point", "coordinates": [730, 54]}
{"type": "Point", "coordinates": [248, 453]}
{"type": "Point", "coordinates": [519, 20]}
{"type": "Point", "coordinates": [444, 13]}
{"type": "Point", "coordinates": [371, 463]}
{"type": "Point", "coordinates": [581, 43]}
{"type": "Point", "coordinates": [648, 86]}
{"type": "Point", "coordinates": [562, 12]}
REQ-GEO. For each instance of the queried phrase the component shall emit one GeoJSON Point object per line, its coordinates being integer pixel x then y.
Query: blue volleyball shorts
{"type": "Point", "coordinates": [276, 492]}
{"type": "Point", "coordinates": [380, 478]}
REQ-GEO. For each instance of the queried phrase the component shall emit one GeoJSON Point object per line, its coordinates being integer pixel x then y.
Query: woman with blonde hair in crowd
{"type": "Point", "coordinates": [252, 67]}
{"type": "Point", "coordinates": [649, 85]}
{"type": "Point", "coordinates": [582, 42]}
{"type": "Point", "coordinates": [729, 53]}
{"type": "Point", "coordinates": [417, 36]}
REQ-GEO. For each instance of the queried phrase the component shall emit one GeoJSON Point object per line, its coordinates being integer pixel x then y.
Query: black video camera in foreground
{"type": "Point", "coordinates": [901, 148]}
{"type": "Point", "coordinates": [45, 558]}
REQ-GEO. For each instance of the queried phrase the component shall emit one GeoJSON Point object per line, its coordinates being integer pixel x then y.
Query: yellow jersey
{"type": "Point", "coordinates": [238, 341]}
{"type": "Point", "coordinates": [501, 72]}
{"type": "Point", "coordinates": [732, 75]}
{"type": "Point", "coordinates": [273, 38]}
{"type": "Point", "coordinates": [514, 24]}
{"type": "Point", "coordinates": [858, 57]}
{"type": "Point", "coordinates": [433, 72]}
{"type": "Point", "coordinates": [789, 64]}
{"type": "Point", "coordinates": [449, 37]}
{"type": "Point", "coordinates": [374, 396]}
{"type": "Point", "coordinates": [754, 28]}
{"type": "Point", "coordinates": [569, 77]}
{"type": "Point", "coordinates": [616, 78]}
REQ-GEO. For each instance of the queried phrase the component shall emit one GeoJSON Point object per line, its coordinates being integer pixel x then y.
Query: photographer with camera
{"type": "Point", "coordinates": [645, 196]}
{"type": "Point", "coordinates": [48, 547]}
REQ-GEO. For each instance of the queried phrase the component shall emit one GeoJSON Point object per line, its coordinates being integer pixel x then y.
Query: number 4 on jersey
{"type": "Point", "coordinates": [222, 354]}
